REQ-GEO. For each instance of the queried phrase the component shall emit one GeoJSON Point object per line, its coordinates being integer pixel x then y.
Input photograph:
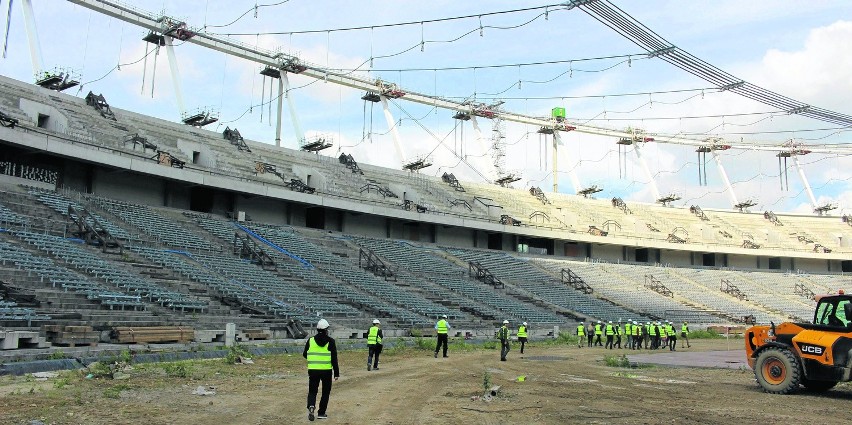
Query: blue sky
{"type": "Point", "coordinates": [795, 48]}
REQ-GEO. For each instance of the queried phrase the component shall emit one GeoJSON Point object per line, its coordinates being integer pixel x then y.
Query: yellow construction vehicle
{"type": "Point", "coordinates": [814, 355]}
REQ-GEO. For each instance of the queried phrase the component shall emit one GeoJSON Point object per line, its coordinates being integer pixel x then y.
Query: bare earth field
{"type": "Point", "coordinates": [563, 385]}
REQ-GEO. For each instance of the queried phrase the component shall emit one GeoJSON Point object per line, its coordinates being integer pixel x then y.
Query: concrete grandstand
{"type": "Point", "coordinates": [138, 221]}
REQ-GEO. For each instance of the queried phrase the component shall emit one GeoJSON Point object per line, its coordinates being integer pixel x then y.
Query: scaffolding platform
{"type": "Point", "coordinates": [371, 97]}
{"type": "Point", "coordinates": [200, 117]}
{"type": "Point", "coordinates": [316, 143]}
{"type": "Point", "coordinates": [418, 163]}
{"type": "Point", "coordinates": [57, 80]}
{"type": "Point", "coordinates": [507, 180]}
{"type": "Point", "coordinates": [461, 115]}
{"type": "Point", "coordinates": [589, 191]}
{"type": "Point", "coordinates": [154, 38]}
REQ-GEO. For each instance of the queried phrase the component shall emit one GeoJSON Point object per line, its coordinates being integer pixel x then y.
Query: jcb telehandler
{"type": "Point", "coordinates": [815, 355]}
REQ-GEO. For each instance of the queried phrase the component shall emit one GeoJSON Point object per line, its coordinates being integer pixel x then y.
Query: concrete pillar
{"type": "Point", "coordinates": [230, 334]}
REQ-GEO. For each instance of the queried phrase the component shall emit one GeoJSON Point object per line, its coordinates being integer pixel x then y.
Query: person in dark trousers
{"type": "Point", "coordinates": [610, 333]}
{"type": "Point", "coordinates": [618, 332]}
{"type": "Point", "coordinates": [321, 354]}
{"type": "Point", "coordinates": [522, 335]}
{"type": "Point", "coordinates": [590, 333]}
{"type": "Point", "coordinates": [503, 335]}
{"type": "Point", "coordinates": [672, 336]}
{"type": "Point", "coordinates": [442, 328]}
{"type": "Point", "coordinates": [598, 333]}
{"type": "Point", "coordinates": [374, 345]}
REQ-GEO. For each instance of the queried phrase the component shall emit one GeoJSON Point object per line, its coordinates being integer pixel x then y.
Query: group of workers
{"type": "Point", "coordinates": [321, 352]}
{"type": "Point", "coordinates": [650, 335]}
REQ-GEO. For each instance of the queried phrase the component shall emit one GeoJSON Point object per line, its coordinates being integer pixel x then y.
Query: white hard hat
{"type": "Point", "coordinates": [444, 316]}
{"type": "Point", "coordinates": [376, 321]}
{"type": "Point", "coordinates": [610, 321]}
{"type": "Point", "coordinates": [635, 323]}
{"type": "Point", "coordinates": [525, 323]}
{"type": "Point", "coordinates": [599, 321]}
{"type": "Point", "coordinates": [505, 322]}
{"type": "Point", "coordinates": [322, 324]}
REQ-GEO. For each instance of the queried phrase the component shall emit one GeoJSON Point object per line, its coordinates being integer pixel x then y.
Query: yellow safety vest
{"type": "Point", "coordinates": [684, 329]}
{"type": "Point", "coordinates": [637, 330]}
{"type": "Point", "coordinates": [609, 330]}
{"type": "Point", "coordinates": [598, 329]}
{"type": "Point", "coordinates": [319, 358]}
{"type": "Point", "coordinates": [522, 331]}
{"type": "Point", "coordinates": [373, 337]}
{"type": "Point", "coordinates": [627, 329]}
{"type": "Point", "coordinates": [652, 330]}
{"type": "Point", "coordinates": [581, 330]}
{"type": "Point", "coordinates": [442, 326]}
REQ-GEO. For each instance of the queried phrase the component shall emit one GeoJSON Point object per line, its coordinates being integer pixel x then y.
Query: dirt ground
{"type": "Point", "coordinates": [563, 385]}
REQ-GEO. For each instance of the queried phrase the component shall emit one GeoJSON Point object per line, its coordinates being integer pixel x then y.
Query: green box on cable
{"type": "Point", "coordinates": [558, 113]}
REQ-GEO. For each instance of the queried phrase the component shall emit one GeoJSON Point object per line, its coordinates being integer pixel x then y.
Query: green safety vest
{"type": "Point", "coordinates": [442, 326]}
{"type": "Point", "coordinates": [503, 333]}
{"type": "Point", "coordinates": [637, 330]}
{"type": "Point", "coordinates": [670, 330]}
{"type": "Point", "coordinates": [684, 329]}
{"type": "Point", "coordinates": [609, 330]}
{"type": "Point", "coordinates": [319, 358]}
{"type": "Point", "coordinates": [373, 337]}
{"type": "Point", "coordinates": [598, 329]}
{"type": "Point", "coordinates": [627, 329]}
{"type": "Point", "coordinates": [652, 330]}
{"type": "Point", "coordinates": [522, 331]}
{"type": "Point", "coordinates": [581, 330]}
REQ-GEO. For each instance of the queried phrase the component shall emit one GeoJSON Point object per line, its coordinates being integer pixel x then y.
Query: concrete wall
{"type": "Point", "coordinates": [364, 225]}
{"type": "Point", "coordinates": [812, 264]}
{"type": "Point", "coordinates": [57, 121]}
{"type": "Point", "coordinates": [127, 186]}
{"type": "Point", "coordinates": [265, 210]}
{"type": "Point", "coordinates": [678, 258]}
{"type": "Point", "coordinates": [607, 252]}
{"type": "Point", "coordinates": [454, 236]}
{"type": "Point", "coordinates": [743, 262]}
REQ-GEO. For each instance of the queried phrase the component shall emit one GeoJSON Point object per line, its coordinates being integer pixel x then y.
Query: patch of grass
{"type": "Point", "coordinates": [489, 345]}
{"type": "Point", "coordinates": [486, 381]}
{"type": "Point", "coordinates": [427, 344]}
{"type": "Point", "coordinates": [616, 361]}
{"type": "Point", "coordinates": [234, 353]}
{"type": "Point", "coordinates": [416, 332]}
{"type": "Point", "coordinates": [399, 346]}
{"type": "Point", "coordinates": [125, 356]}
{"type": "Point", "coordinates": [705, 334]}
{"type": "Point", "coordinates": [459, 344]}
{"type": "Point", "coordinates": [61, 383]}
{"type": "Point", "coordinates": [115, 391]}
{"type": "Point", "coordinates": [178, 369]}
{"type": "Point", "coordinates": [57, 355]}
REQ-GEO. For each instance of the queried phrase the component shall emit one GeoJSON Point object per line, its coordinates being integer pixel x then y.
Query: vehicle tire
{"type": "Point", "coordinates": [777, 371]}
{"type": "Point", "coordinates": [818, 386]}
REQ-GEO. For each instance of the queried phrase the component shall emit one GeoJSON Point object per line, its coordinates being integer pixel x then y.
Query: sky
{"type": "Point", "coordinates": [795, 48]}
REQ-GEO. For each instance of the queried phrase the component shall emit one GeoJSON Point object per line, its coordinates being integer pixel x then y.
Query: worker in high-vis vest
{"type": "Point", "coordinates": [652, 334]}
{"type": "Point", "coordinates": [610, 332]}
{"type": "Point", "coordinates": [581, 335]}
{"type": "Point", "coordinates": [684, 333]}
{"type": "Point", "coordinates": [628, 334]}
{"type": "Point", "coordinates": [442, 328]}
{"type": "Point", "coordinates": [672, 336]}
{"type": "Point", "coordinates": [321, 354]}
{"type": "Point", "coordinates": [619, 331]}
{"type": "Point", "coordinates": [598, 333]}
{"type": "Point", "coordinates": [637, 335]}
{"type": "Point", "coordinates": [522, 335]}
{"type": "Point", "coordinates": [503, 335]}
{"type": "Point", "coordinates": [374, 345]}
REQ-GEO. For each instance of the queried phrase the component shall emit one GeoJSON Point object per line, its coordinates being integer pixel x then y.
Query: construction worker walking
{"type": "Point", "coordinates": [618, 332]}
{"type": "Point", "coordinates": [672, 336]}
{"type": "Point", "coordinates": [522, 335]}
{"type": "Point", "coordinates": [503, 334]}
{"type": "Point", "coordinates": [610, 332]}
{"type": "Point", "coordinates": [598, 334]}
{"type": "Point", "coordinates": [590, 333]}
{"type": "Point", "coordinates": [374, 345]}
{"type": "Point", "coordinates": [652, 333]}
{"type": "Point", "coordinates": [581, 335]}
{"type": "Point", "coordinates": [628, 334]}
{"type": "Point", "coordinates": [637, 336]}
{"type": "Point", "coordinates": [321, 354]}
{"type": "Point", "coordinates": [442, 328]}
{"type": "Point", "coordinates": [684, 333]}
